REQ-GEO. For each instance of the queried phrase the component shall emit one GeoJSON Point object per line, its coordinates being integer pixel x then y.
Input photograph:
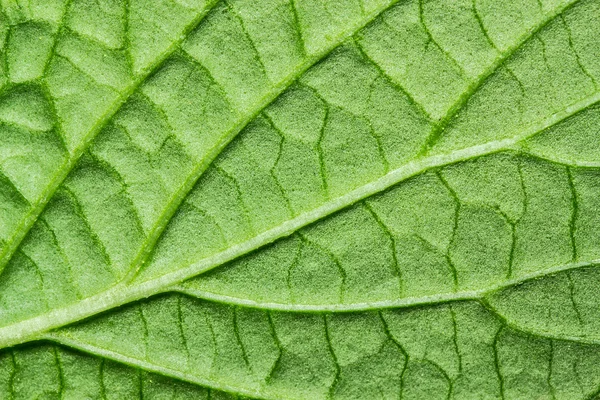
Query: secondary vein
{"type": "Point", "coordinates": [178, 196]}
{"type": "Point", "coordinates": [214, 383]}
{"type": "Point", "coordinates": [406, 302]}
{"type": "Point", "coordinates": [63, 171]}
{"type": "Point", "coordinates": [122, 293]}
{"type": "Point", "coordinates": [464, 98]}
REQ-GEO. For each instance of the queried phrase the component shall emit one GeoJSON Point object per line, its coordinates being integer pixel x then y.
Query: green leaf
{"type": "Point", "coordinates": [48, 372]}
{"type": "Point", "coordinates": [68, 66]}
{"type": "Point", "coordinates": [408, 205]}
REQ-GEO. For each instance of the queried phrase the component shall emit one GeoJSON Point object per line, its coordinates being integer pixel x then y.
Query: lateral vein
{"type": "Point", "coordinates": [39, 205]}
{"type": "Point", "coordinates": [122, 293]}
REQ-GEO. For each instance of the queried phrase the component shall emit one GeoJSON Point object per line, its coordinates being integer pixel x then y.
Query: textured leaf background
{"type": "Point", "coordinates": [300, 199]}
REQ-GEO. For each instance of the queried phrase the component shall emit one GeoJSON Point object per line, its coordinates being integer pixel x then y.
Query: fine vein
{"type": "Point", "coordinates": [123, 292]}
{"type": "Point", "coordinates": [39, 205]}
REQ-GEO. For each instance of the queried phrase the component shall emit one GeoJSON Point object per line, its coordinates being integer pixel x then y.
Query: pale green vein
{"type": "Point", "coordinates": [152, 367]}
{"type": "Point", "coordinates": [405, 302]}
{"type": "Point", "coordinates": [259, 106]}
{"type": "Point", "coordinates": [213, 383]}
{"type": "Point", "coordinates": [123, 293]}
{"type": "Point", "coordinates": [406, 171]}
{"type": "Point", "coordinates": [13, 242]}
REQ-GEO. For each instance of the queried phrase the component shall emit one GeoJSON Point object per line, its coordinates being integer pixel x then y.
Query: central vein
{"type": "Point", "coordinates": [131, 290]}
{"type": "Point", "coordinates": [123, 293]}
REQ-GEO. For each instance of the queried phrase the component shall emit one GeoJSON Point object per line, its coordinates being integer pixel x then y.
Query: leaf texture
{"type": "Point", "coordinates": [68, 67]}
{"type": "Point", "coordinates": [47, 371]}
{"type": "Point", "coordinates": [300, 199]}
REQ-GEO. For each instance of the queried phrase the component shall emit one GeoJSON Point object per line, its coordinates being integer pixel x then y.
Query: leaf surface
{"type": "Point", "coordinates": [49, 371]}
{"type": "Point", "coordinates": [68, 66]}
{"type": "Point", "coordinates": [408, 205]}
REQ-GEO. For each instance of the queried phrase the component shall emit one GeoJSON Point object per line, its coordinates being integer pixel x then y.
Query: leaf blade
{"type": "Point", "coordinates": [456, 239]}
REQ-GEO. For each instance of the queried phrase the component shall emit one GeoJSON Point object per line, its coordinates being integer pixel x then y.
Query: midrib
{"type": "Point", "coordinates": [38, 206]}
{"type": "Point", "coordinates": [177, 198]}
{"type": "Point", "coordinates": [122, 293]}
